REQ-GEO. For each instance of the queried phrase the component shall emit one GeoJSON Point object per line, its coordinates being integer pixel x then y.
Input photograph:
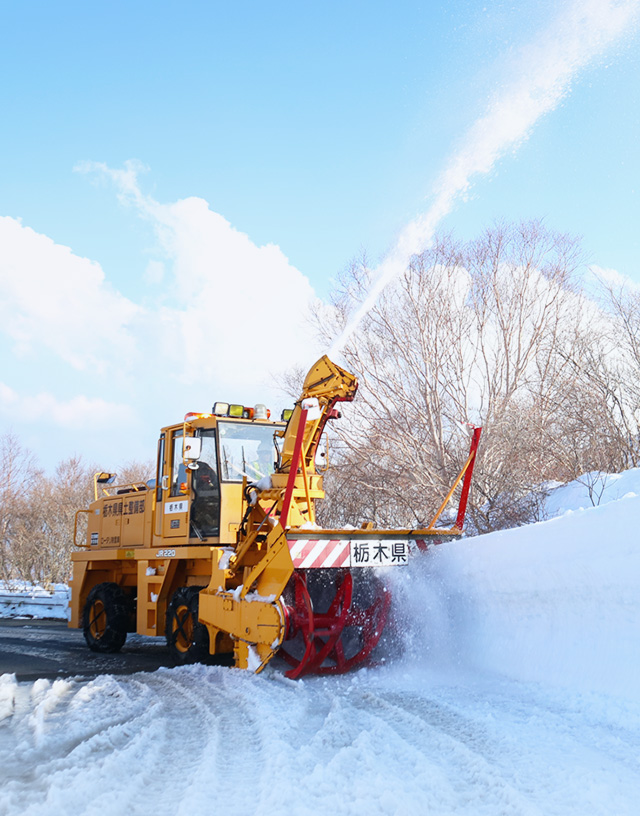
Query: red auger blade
{"type": "Point", "coordinates": [342, 636]}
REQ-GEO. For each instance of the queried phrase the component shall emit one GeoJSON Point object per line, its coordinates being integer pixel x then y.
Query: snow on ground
{"type": "Point", "coordinates": [199, 740]}
{"type": "Point", "coordinates": [517, 693]}
{"type": "Point", "coordinates": [591, 490]}
{"type": "Point", "coordinates": [19, 599]}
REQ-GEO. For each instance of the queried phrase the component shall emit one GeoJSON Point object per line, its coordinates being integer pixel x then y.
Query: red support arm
{"type": "Point", "coordinates": [466, 484]}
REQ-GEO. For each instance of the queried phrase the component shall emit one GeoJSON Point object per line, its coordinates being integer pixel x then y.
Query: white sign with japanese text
{"type": "Point", "coordinates": [176, 506]}
{"type": "Point", "coordinates": [379, 552]}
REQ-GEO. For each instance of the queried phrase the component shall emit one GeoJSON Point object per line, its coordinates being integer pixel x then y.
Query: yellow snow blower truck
{"type": "Point", "coordinates": [222, 555]}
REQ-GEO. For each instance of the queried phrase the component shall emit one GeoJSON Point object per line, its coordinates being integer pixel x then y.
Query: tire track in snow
{"type": "Point", "coordinates": [371, 755]}
{"type": "Point", "coordinates": [62, 735]}
{"type": "Point", "coordinates": [534, 754]}
{"type": "Point", "coordinates": [347, 758]}
{"type": "Point", "coordinates": [452, 756]}
{"type": "Point", "coordinates": [228, 772]}
{"type": "Point", "coordinates": [168, 776]}
{"type": "Point", "coordinates": [183, 741]}
{"type": "Point", "coordinates": [186, 737]}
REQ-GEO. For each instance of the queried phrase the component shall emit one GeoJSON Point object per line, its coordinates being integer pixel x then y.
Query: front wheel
{"type": "Point", "coordinates": [187, 638]}
{"type": "Point", "coordinates": [105, 618]}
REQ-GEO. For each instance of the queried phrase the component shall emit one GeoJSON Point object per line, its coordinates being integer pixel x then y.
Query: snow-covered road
{"type": "Point", "coordinates": [518, 692]}
{"type": "Point", "coordinates": [197, 740]}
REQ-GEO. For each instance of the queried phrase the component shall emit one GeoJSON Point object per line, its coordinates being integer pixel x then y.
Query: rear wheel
{"type": "Point", "coordinates": [187, 638]}
{"type": "Point", "coordinates": [105, 618]}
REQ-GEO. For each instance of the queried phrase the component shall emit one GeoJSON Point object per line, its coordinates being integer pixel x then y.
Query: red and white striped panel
{"type": "Point", "coordinates": [314, 553]}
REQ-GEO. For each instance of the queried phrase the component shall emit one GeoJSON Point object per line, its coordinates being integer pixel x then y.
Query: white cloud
{"type": "Point", "coordinates": [221, 315]}
{"type": "Point", "coordinates": [234, 311]}
{"type": "Point", "coordinates": [54, 299]}
{"type": "Point", "coordinates": [238, 304]}
{"type": "Point", "coordinates": [612, 278]}
{"type": "Point", "coordinates": [79, 413]}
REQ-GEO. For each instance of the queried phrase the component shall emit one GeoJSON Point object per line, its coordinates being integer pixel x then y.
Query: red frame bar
{"type": "Point", "coordinates": [466, 484]}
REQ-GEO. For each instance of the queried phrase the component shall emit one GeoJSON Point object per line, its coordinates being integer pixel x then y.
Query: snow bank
{"type": "Point", "coordinates": [22, 600]}
{"type": "Point", "coordinates": [592, 490]}
{"type": "Point", "coordinates": [555, 602]}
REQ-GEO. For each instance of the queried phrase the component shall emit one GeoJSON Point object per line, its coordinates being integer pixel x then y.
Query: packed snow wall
{"type": "Point", "coordinates": [556, 602]}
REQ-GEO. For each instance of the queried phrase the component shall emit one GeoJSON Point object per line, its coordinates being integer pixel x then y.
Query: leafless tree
{"type": "Point", "coordinates": [38, 511]}
{"type": "Point", "coordinates": [483, 332]}
{"type": "Point", "coordinates": [136, 471]}
{"type": "Point", "coordinates": [606, 362]}
{"type": "Point", "coordinates": [43, 539]}
{"type": "Point", "coordinates": [19, 475]}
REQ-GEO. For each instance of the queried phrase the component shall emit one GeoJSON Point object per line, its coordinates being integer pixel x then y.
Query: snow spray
{"type": "Point", "coordinates": [423, 629]}
{"type": "Point", "coordinates": [542, 77]}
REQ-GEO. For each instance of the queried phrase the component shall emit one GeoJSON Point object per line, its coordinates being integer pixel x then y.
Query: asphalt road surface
{"type": "Point", "coordinates": [32, 649]}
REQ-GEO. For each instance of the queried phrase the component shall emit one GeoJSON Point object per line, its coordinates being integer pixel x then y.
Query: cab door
{"type": "Point", "coordinates": [174, 489]}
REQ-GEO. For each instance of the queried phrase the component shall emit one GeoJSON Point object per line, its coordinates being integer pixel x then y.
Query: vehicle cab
{"type": "Point", "coordinates": [201, 465]}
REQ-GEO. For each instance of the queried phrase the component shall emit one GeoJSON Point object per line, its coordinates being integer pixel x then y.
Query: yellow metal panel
{"type": "Point", "coordinates": [111, 522]}
{"type": "Point", "coordinates": [94, 522]}
{"type": "Point", "coordinates": [79, 569]}
{"type": "Point", "coordinates": [135, 508]}
{"type": "Point", "coordinates": [175, 518]}
{"type": "Point", "coordinates": [230, 511]}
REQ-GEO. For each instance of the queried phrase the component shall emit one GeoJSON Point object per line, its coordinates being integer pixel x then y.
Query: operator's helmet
{"type": "Point", "coordinates": [266, 455]}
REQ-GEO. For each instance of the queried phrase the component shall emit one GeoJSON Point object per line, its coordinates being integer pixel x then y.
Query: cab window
{"type": "Point", "coordinates": [246, 450]}
{"type": "Point", "coordinates": [178, 469]}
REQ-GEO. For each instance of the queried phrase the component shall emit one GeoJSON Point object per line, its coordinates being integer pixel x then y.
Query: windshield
{"type": "Point", "coordinates": [246, 449]}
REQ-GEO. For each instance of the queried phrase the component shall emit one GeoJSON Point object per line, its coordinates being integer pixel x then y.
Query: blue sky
{"type": "Point", "coordinates": [320, 129]}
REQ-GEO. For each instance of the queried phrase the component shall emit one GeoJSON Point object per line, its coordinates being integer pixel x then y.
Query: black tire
{"type": "Point", "coordinates": [105, 619]}
{"type": "Point", "coordinates": [187, 638]}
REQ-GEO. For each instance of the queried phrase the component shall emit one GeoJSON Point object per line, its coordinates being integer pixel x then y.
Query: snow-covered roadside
{"type": "Point", "coordinates": [22, 600]}
{"type": "Point", "coordinates": [556, 602]}
{"type": "Point", "coordinates": [591, 490]}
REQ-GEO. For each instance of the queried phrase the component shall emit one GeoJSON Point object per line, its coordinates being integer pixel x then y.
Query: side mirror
{"type": "Point", "coordinates": [191, 448]}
